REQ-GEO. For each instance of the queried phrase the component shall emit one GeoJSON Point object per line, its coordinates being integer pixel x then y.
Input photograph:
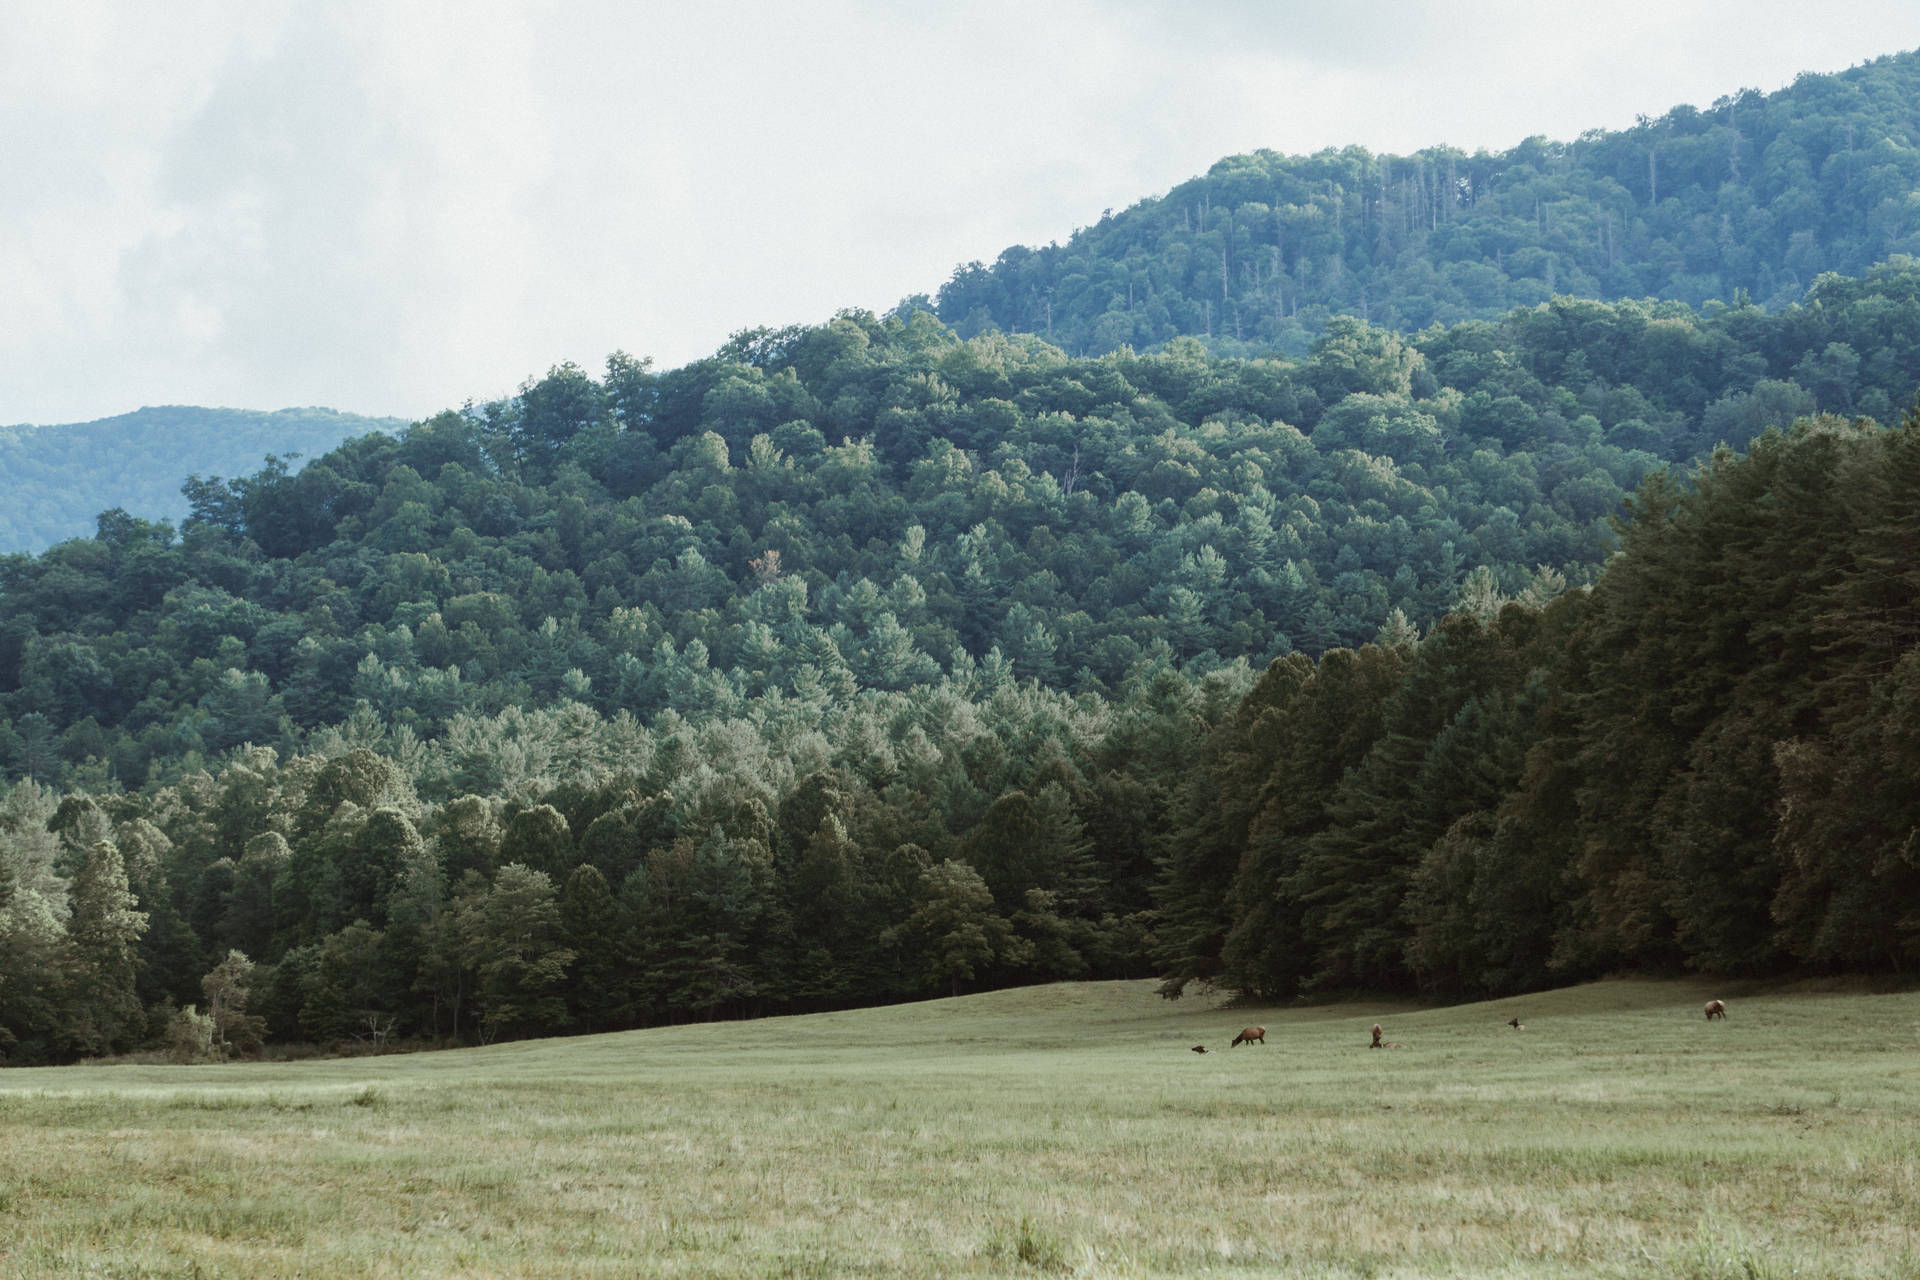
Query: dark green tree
{"type": "Point", "coordinates": [101, 1010]}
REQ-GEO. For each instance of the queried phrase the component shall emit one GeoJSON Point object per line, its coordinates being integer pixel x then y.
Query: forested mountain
{"type": "Point", "coordinates": [1493, 638]}
{"type": "Point", "coordinates": [690, 540]}
{"type": "Point", "coordinates": [1751, 198]}
{"type": "Point", "coordinates": [55, 479]}
{"type": "Point", "coordinates": [859, 661]}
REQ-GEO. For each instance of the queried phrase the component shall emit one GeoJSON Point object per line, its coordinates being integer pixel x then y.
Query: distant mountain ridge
{"type": "Point", "coordinates": [1751, 198]}
{"type": "Point", "coordinates": [54, 480]}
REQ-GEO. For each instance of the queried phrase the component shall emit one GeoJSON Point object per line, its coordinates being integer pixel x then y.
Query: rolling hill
{"type": "Point", "coordinates": [55, 479]}
{"type": "Point", "coordinates": [1751, 198]}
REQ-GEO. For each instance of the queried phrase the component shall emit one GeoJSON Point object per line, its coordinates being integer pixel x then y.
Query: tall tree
{"type": "Point", "coordinates": [512, 941]}
{"type": "Point", "coordinates": [954, 928]}
{"type": "Point", "coordinates": [102, 1012]}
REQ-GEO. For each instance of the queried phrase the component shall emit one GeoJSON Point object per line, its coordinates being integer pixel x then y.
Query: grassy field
{"type": "Point", "coordinates": [1060, 1130]}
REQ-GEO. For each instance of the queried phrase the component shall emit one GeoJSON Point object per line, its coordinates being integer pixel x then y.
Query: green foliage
{"type": "Point", "coordinates": [1703, 761]}
{"type": "Point", "coordinates": [54, 480]}
{"type": "Point", "coordinates": [346, 991]}
{"type": "Point", "coordinates": [956, 928]}
{"type": "Point", "coordinates": [1758, 196]}
{"type": "Point", "coordinates": [511, 940]}
{"type": "Point", "coordinates": [190, 1036]}
{"type": "Point", "coordinates": [229, 988]}
{"type": "Point", "coordinates": [991, 506]}
{"type": "Point", "coordinates": [33, 905]}
{"type": "Point", "coordinates": [596, 928]}
{"type": "Point", "coordinates": [102, 1011]}
{"type": "Point", "coordinates": [865, 660]}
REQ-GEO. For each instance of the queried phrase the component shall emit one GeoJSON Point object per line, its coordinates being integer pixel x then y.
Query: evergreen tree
{"type": "Point", "coordinates": [1329, 725]}
{"type": "Point", "coordinates": [594, 926]}
{"type": "Point", "coordinates": [101, 1005]}
{"type": "Point", "coordinates": [512, 940]}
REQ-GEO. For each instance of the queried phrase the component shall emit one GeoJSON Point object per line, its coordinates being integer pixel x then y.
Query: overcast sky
{"type": "Point", "coordinates": [393, 207]}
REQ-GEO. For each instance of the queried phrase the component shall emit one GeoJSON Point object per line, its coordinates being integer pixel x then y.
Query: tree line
{"type": "Point", "coordinates": [1704, 761]}
{"type": "Point", "coordinates": [545, 870]}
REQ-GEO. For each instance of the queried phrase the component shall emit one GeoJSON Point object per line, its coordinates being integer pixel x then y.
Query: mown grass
{"type": "Point", "coordinates": [1059, 1131]}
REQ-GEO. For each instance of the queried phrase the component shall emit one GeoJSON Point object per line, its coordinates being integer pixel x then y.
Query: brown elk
{"type": "Point", "coordinates": [1376, 1037]}
{"type": "Point", "coordinates": [1716, 1009]}
{"type": "Point", "coordinates": [1248, 1035]}
{"type": "Point", "coordinates": [1199, 1048]}
{"type": "Point", "coordinates": [1515, 1024]}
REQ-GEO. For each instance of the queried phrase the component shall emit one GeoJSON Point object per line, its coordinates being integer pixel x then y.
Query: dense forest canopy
{"type": "Point", "coordinates": [1753, 197]}
{"type": "Point", "coordinates": [1707, 760]}
{"type": "Point", "coordinates": [874, 503]}
{"type": "Point", "coordinates": [55, 479]}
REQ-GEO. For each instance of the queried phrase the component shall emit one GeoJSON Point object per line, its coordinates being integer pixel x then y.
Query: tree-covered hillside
{"type": "Point", "coordinates": [55, 479]}
{"type": "Point", "coordinates": [1706, 761]}
{"type": "Point", "coordinates": [1752, 197]}
{"type": "Point", "coordinates": [867, 503]}
{"type": "Point", "coordinates": [1468, 635]}
{"type": "Point", "coordinates": [861, 661]}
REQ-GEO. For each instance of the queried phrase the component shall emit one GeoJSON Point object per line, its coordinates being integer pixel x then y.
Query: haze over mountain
{"type": "Point", "coordinates": [55, 479]}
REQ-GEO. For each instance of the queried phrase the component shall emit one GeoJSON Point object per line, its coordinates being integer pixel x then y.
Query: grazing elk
{"type": "Point", "coordinates": [1716, 1009]}
{"type": "Point", "coordinates": [1248, 1035]}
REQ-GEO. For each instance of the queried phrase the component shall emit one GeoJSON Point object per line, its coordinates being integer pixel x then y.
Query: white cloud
{"type": "Point", "coordinates": [394, 207]}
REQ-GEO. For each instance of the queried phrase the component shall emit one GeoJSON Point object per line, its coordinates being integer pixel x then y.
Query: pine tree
{"type": "Point", "coordinates": [1325, 728]}
{"type": "Point", "coordinates": [595, 927]}
{"type": "Point", "coordinates": [102, 1012]}
{"type": "Point", "coordinates": [512, 941]}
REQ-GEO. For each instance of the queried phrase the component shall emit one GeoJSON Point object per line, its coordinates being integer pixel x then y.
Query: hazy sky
{"type": "Point", "coordinates": [393, 207]}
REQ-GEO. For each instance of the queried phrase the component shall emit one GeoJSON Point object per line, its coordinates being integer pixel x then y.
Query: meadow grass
{"type": "Point", "coordinates": [1061, 1130]}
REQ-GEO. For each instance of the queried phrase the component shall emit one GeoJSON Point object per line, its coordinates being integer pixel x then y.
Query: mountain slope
{"type": "Point", "coordinates": [55, 479]}
{"type": "Point", "coordinates": [1755, 196]}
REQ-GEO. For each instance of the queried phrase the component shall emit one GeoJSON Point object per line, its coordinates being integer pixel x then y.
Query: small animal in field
{"type": "Point", "coordinates": [1515, 1024]}
{"type": "Point", "coordinates": [1376, 1037]}
{"type": "Point", "coordinates": [1248, 1035]}
{"type": "Point", "coordinates": [1200, 1048]}
{"type": "Point", "coordinates": [1716, 1009]}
